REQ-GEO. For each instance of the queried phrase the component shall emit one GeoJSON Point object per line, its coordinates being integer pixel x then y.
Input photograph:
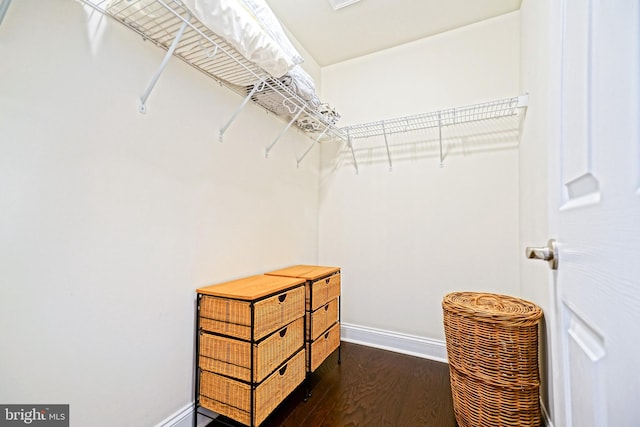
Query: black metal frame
{"type": "Point", "coordinates": [252, 384]}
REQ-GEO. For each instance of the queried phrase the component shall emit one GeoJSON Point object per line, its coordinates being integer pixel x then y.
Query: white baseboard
{"type": "Point", "coordinates": [181, 418]}
{"type": "Point", "coordinates": [184, 417]}
{"type": "Point", "coordinates": [545, 416]}
{"type": "Point", "coordinates": [401, 343]}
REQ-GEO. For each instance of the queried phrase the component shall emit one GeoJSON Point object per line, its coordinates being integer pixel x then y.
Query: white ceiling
{"type": "Point", "coordinates": [372, 25]}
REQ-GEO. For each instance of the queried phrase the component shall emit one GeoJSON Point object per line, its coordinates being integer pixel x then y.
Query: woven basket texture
{"type": "Point", "coordinates": [233, 399]}
{"type": "Point", "coordinates": [322, 318]}
{"type": "Point", "coordinates": [324, 290]}
{"type": "Point", "coordinates": [233, 317]}
{"type": "Point", "coordinates": [231, 357]}
{"type": "Point", "coordinates": [492, 347]}
{"type": "Point", "coordinates": [323, 347]}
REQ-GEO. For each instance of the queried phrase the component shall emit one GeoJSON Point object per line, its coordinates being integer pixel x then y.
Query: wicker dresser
{"type": "Point", "coordinates": [322, 296]}
{"type": "Point", "coordinates": [250, 346]}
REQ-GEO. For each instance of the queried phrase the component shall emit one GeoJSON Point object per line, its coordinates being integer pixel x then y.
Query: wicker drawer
{"type": "Point", "coordinates": [321, 319]}
{"type": "Point", "coordinates": [233, 399]}
{"type": "Point", "coordinates": [321, 348]}
{"type": "Point", "coordinates": [321, 291]}
{"type": "Point", "coordinates": [231, 357]}
{"type": "Point", "coordinates": [233, 317]}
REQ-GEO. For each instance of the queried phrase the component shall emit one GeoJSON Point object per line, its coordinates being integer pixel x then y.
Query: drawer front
{"type": "Point", "coordinates": [323, 290]}
{"type": "Point", "coordinates": [278, 347]}
{"type": "Point", "coordinates": [321, 319]}
{"type": "Point", "coordinates": [231, 357]}
{"type": "Point", "coordinates": [225, 316]}
{"type": "Point", "coordinates": [321, 348]}
{"type": "Point", "coordinates": [233, 318]}
{"type": "Point", "coordinates": [277, 311]}
{"type": "Point", "coordinates": [233, 399]}
{"type": "Point", "coordinates": [226, 328]}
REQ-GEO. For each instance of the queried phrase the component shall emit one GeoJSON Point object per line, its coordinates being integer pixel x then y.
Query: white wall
{"type": "Point", "coordinates": [534, 228]}
{"type": "Point", "coordinates": [406, 238]}
{"type": "Point", "coordinates": [110, 219]}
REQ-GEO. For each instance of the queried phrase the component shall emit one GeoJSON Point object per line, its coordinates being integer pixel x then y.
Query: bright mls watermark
{"type": "Point", "coordinates": [34, 415]}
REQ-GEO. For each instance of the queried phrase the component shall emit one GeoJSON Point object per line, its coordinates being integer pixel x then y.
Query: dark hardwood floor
{"type": "Point", "coordinates": [371, 387]}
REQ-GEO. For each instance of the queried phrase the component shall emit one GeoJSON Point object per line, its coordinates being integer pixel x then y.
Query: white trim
{"type": "Point", "coordinates": [394, 341]}
{"type": "Point", "coordinates": [545, 416]}
{"type": "Point", "coordinates": [184, 417]}
{"type": "Point", "coordinates": [181, 418]}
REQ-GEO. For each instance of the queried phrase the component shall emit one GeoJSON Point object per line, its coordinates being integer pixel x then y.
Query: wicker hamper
{"type": "Point", "coordinates": [492, 347]}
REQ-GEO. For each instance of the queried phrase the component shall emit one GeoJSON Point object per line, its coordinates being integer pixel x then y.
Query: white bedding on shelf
{"type": "Point", "coordinates": [252, 29]}
{"type": "Point", "coordinates": [302, 85]}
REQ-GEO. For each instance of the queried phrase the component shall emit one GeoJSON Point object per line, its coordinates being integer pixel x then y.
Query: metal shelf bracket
{"type": "Point", "coordinates": [142, 107]}
{"type": "Point", "coordinates": [312, 145]}
{"type": "Point", "coordinates": [286, 128]}
{"type": "Point", "coordinates": [353, 154]}
{"type": "Point", "coordinates": [440, 139]}
{"type": "Point", "coordinates": [256, 88]}
{"type": "Point", "coordinates": [386, 144]}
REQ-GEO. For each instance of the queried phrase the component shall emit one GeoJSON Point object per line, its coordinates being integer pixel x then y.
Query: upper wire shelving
{"type": "Point", "coordinates": [497, 109]}
{"type": "Point", "coordinates": [169, 25]}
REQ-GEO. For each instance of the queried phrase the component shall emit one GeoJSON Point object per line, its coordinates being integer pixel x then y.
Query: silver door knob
{"type": "Point", "coordinates": [546, 253]}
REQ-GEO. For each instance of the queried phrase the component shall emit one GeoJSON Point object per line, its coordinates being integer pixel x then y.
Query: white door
{"type": "Point", "coordinates": [594, 202]}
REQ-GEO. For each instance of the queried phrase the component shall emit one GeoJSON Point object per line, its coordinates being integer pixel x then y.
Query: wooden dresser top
{"type": "Point", "coordinates": [251, 288]}
{"type": "Point", "coordinates": [308, 272]}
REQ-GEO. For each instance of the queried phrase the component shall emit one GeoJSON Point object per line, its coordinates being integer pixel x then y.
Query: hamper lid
{"type": "Point", "coordinates": [493, 307]}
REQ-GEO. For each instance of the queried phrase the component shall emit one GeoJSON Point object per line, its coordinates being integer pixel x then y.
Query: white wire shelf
{"type": "Point", "coordinates": [168, 24]}
{"type": "Point", "coordinates": [449, 117]}
{"type": "Point", "coordinates": [485, 111]}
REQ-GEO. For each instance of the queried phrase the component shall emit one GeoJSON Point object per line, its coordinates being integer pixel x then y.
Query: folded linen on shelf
{"type": "Point", "coordinates": [325, 115]}
{"type": "Point", "coordinates": [316, 115]}
{"type": "Point", "coordinates": [298, 82]}
{"type": "Point", "coordinates": [302, 85]}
